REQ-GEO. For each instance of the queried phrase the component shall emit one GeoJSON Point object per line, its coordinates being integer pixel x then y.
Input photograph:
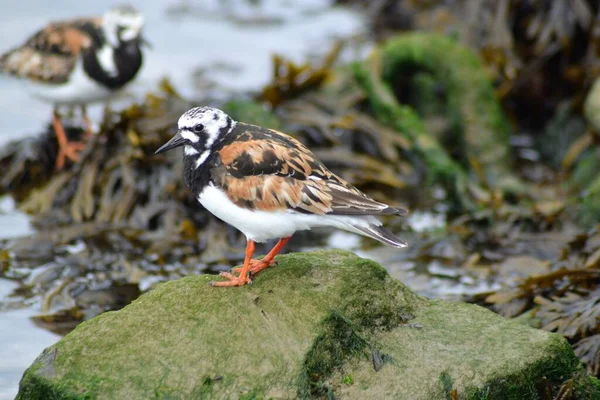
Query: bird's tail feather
{"type": "Point", "coordinates": [381, 234]}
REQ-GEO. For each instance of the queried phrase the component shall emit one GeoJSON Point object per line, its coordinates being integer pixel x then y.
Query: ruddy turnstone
{"type": "Point", "coordinates": [268, 185]}
{"type": "Point", "coordinates": [77, 62]}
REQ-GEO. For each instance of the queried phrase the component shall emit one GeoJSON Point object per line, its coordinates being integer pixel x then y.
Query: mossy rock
{"type": "Point", "coordinates": [319, 324]}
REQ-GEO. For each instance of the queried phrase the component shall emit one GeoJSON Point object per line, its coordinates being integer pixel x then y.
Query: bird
{"type": "Point", "coordinates": [77, 62]}
{"type": "Point", "coordinates": [268, 185]}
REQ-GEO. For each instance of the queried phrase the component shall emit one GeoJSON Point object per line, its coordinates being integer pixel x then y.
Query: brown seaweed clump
{"type": "Point", "coordinates": [564, 299]}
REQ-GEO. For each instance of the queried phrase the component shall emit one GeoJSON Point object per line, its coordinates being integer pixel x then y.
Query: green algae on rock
{"type": "Point", "coordinates": [471, 104]}
{"type": "Point", "coordinates": [475, 121]}
{"type": "Point", "coordinates": [440, 167]}
{"type": "Point", "coordinates": [319, 324]}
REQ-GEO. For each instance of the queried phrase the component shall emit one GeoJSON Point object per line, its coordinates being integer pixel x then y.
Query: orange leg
{"type": "Point", "coordinates": [66, 149]}
{"type": "Point", "coordinates": [258, 265]}
{"type": "Point", "coordinates": [243, 278]}
{"type": "Point", "coordinates": [86, 122]}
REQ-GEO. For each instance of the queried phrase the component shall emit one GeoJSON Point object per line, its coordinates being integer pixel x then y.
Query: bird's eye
{"type": "Point", "coordinates": [198, 128]}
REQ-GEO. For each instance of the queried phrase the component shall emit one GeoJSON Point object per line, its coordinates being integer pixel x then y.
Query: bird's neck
{"type": "Point", "coordinates": [113, 67]}
{"type": "Point", "coordinates": [195, 176]}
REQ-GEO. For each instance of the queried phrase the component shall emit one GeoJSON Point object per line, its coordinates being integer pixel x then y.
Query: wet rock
{"type": "Point", "coordinates": [320, 324]}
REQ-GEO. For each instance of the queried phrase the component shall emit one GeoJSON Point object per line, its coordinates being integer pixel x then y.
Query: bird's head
{"type": "Point", "coordinates": [122, 24]}
{"type": "Point", "coordinates": [199, 129]}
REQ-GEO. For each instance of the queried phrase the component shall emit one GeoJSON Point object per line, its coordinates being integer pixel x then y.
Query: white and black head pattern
{"type": "Point", "coordinates": [202, 128]}
{"type": "Point", "coordinates": [199, 130]}
{"type": "Point", "coordinates": [122, 24]}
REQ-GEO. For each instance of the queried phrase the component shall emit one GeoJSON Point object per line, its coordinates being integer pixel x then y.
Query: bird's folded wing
{"type": "Point", "coordinates": [51, 54]}
{"type": "Point", "coordinates": [347, 200]}
{"type": "Point", "coordinates": [278, 173]}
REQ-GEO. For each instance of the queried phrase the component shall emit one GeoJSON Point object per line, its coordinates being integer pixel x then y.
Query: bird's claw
{"type": "Point", "coordinates": [232, 280]}
{"type": "Point", "coordinates": [68, 150]}
{"type": "Point", "coordinates": [255, 267]}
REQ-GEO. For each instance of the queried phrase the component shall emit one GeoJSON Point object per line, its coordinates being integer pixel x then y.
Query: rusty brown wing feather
{"type": "Point", "coordinates": [274, 171]}
{"type": "Point", "coordinates": [50, 55]}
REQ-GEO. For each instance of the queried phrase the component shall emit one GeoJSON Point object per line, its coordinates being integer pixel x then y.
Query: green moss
{"type": "Point", "coordinates": [300, 330]}
{"type": "Point", "coordinates": [561, 366]}
{"type": "Point", "coordinates": [188, 309]}
{"type": "Point", "coordinates": [331, 350]}
{"type": "Point", "coordinates": [440, 167]}
{"type": "Point", "coordinates": [348, 380]}
{"type": "Point", "coordinates": [586, 179]}
{"type": "Point", "coordinates": [470, 102]}
{"type": "Point", "coordinates": [446, 381]}
{"type": "Point", "coordinates": [34, 387]}
{"type": "Point", "coordinates": [348, 331]}
{"type": "Point", "coordinates": [252, 395]}
{"type": "Point", "coordinates": [37, 382]}
{"type": "Point", "coordinates": [587, 387]}
{"type": "Point", "coordinates": [426, 62]}
{"type": "Point", "coordinates": [588, 205]}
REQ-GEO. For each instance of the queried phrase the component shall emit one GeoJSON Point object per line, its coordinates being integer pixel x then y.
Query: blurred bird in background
{"type": "Point", "coordinates": [77, 62]}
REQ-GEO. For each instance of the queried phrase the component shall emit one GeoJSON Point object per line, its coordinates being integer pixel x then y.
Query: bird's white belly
{"type": "Point", "coordinates": [79, 89]}
{"type": "Point", "coordinates": [261, 226]}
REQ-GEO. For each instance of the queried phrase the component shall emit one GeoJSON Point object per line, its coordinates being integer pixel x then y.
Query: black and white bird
{"type": "Point", "coordinates": [268, 185]}
{"type": "Point", "coordinates": [77, 62]}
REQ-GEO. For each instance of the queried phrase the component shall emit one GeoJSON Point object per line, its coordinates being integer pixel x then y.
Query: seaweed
{"type": "Point", "coordinates": [291, 79]}
{"type": "Point", "coordinates": [565, 300]}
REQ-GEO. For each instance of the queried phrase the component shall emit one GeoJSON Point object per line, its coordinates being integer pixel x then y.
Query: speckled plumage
{"type": "Point", "coordinates": [77, 62]}
{"type": "Point", "coordinates": [51, 55]}
{"type": "Point", "coordinates": [267, 184]}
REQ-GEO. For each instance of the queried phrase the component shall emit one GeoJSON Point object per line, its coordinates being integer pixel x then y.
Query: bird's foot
{"type": "Point", "coordinates": [68, 150]}
{"type": "Point", "coordinates": [255, 266]}
{"type": "Point", "coordinates": [233, 280]}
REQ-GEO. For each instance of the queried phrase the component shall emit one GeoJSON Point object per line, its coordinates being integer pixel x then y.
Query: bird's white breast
{"type": "Point", "coordinates": [79, 89]}
{"type": "Point", "coordinates": [107, 61]}
{"type": "Point", "coordinates": [261, 226]}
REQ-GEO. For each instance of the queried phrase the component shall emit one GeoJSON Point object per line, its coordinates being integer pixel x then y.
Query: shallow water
{"type": "Point", "coordinates": [21, 342]}
{"type": "Point", "coordinates": [231, 40]}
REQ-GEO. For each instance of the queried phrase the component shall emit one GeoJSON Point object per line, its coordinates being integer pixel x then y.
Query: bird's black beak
{"type": "Point", "coordinates": [175, 141]}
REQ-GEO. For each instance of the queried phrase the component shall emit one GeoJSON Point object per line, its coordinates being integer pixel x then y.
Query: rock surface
{"type": "Point", "coordinates": [319, 324]}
